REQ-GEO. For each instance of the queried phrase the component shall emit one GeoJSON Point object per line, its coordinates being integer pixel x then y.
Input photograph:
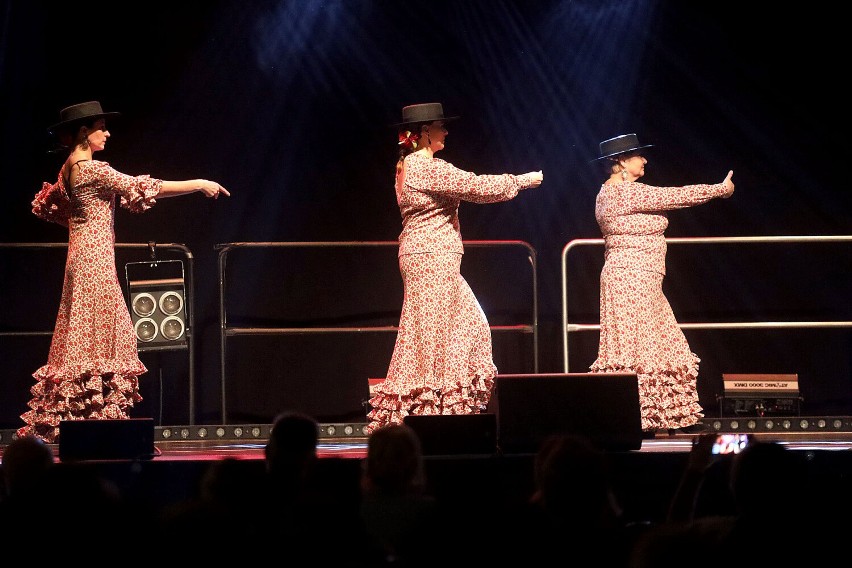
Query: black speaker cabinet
{"type": "Point", "coordinates": [604, 407]}
{"type": "Point", "coordinates": [455, 433]}
{"type": "Point", "coordinates": [132, 439]}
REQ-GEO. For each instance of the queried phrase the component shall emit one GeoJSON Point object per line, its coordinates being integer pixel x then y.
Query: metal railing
{"type": "Point", "coordinates": [568, 327]}
{"type": "Point", "coordinates": [227, 331]}
{"type": "Point", "coordinates": [189, 302]}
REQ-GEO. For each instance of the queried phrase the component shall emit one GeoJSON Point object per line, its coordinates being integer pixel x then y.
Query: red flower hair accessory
{"type": "Point", "coordinates": [408, 139]}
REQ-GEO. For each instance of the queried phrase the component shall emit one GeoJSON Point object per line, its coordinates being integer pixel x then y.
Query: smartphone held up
{"type": "Point", "coordinates": [730, 443]}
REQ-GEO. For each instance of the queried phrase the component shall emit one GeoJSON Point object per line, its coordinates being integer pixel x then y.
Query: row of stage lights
{"type": "Point", "coordinates": [781, 425]}
{"type": "Point", "coordinates": [248, 432]}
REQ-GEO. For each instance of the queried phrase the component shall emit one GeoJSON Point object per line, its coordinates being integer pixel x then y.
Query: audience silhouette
{"type": "Point", "coordinates": [768, 505]}
{"type": "Point", "coordinates": [25, 463]}
{"type": "Point", "coordinates": [290, 453]}
{"type": "Point", "coordinates": [572, 513]}
{"type": "Point", "coordinates": [400, 516]}
{"type": "Point", "coordinates": [767, 512]}
{"type": "Point", "coordinates": [73, 500]}
{"type": "Point", "coordinates": [313, 503]}
{"type": "Point", "coordinates": [229, 501]}
{"type": "Point", "coordinates": [23, 475]}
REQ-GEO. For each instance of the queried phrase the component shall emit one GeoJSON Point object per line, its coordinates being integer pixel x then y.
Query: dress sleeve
{"type": "Point", "coordinates": [52, 204]}
{"type": "Point", "coordinates": [638, 197]}
{"type": "Point", "coordinates": [437, 176]}
{"type": "Point", "coordinates": [136, 193]}
{"type": "Point", "coordinates": [141, 194]}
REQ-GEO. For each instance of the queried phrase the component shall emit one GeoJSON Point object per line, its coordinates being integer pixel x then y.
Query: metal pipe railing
{"type": "Point", "coordinates": [225, 331]}
{"type": "Point", "coordinates": [190, 309]}
{"type": "Point", "coordinates": [568, 327]}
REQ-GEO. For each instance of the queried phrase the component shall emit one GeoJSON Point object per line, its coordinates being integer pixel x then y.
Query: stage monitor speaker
{"type": "Point", "coordinates": [128, 439]}
{"type": "Point", "coordinates": [453, 434]}
{"type": "Point", "coordinates": [604, 407]}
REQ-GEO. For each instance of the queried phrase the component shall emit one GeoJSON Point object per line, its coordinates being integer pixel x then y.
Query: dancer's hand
{"type": "Point", "coordinates": [729, 184]}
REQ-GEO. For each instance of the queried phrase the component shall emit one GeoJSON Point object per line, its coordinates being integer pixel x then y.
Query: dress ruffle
{"type": "Point", "coordinates": [77, 394]}
{"type": "Point", "coordinates": [142, 197]}
{"type": "Point", "coordinates": [389, 407]}
{"type": "Point", "coordinates": [668, 397]}
{"type": "Point", "coordinates": [52, 204]}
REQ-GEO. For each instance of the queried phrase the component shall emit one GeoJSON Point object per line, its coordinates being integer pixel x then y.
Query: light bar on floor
{"type": "Point", "coordinates": [782, 424]}
{"type": "Point", "coordinates": [342, 430]}
{"type": "Point", "coordinates": [212, 432]}
{"type": "Point", "coordinates": [247, 432]}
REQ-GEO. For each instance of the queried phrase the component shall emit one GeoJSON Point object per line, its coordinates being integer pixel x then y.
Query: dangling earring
{"type": "Point", "coordinates": [624, 175]}
{"type": "Point", "coordinates": [428, 138]}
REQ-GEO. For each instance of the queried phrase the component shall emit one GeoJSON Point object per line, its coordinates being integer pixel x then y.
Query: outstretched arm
{"type": "Point", "coordinates": [440, 177]}
{"type": "Point", "coordinates": [641, 198]}
{"type": "Point", "coordinates": [207, 187]}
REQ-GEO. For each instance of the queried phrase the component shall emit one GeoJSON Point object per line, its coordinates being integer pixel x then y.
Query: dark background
{"type": "Point", "coordinates": [288, 105]}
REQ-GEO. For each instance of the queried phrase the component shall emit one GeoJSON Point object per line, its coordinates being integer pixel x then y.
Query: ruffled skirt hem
{"type": "Point", "coordinates": [91, 395]}
{"type": "Point", "coordinates": [389, 407]}
{"type": "Point", "coordinates": [668, 398]}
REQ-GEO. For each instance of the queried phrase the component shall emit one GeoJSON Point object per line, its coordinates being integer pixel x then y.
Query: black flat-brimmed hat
{"type": "Point", "coordinates": [84, 111]}
{"type": "Point", "coordinates": [620, 145]}
{"type": "Point", "coordinates": [425, 112]}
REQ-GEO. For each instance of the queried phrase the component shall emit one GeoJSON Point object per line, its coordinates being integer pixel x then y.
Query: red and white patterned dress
{"type": "Point", "coordinates": [93, 366]}
{"type": "Point", "coordinates": [442, 362]}
{"type": "Point", "coordinates": [639, 332]}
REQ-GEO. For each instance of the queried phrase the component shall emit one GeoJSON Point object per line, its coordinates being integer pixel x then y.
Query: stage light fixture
{"type": "Point", "coordinates": [158, 304]}
{"type": "Point", "coordinates": [171, 303]}
{"type": "Point", "coordinates": [173, 328]}
{"type": "Point", "coordinates": [144, 304]}
{"type": "Point", "coordinates": [146, 330]}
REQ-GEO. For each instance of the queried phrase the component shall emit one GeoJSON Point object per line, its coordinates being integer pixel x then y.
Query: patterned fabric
{"type": "Point", "coordinates": [639, 332]}
{"type": "Point", "coordinates": [93, 367]}
{"type": "Point", "coordinates": [442, 361]}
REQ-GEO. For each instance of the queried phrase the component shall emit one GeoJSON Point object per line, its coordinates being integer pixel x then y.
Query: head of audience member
{"type": "Point", "coordinates": [291, 450]}
{"type": "Point", "coordinates": [572, 480]}
{"type": "Point", "coordinates": [25, 462]}
{"type": "Point", "coordinates": [394, 460]}
{"type": "Point", "coordinates": [767, 480]}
